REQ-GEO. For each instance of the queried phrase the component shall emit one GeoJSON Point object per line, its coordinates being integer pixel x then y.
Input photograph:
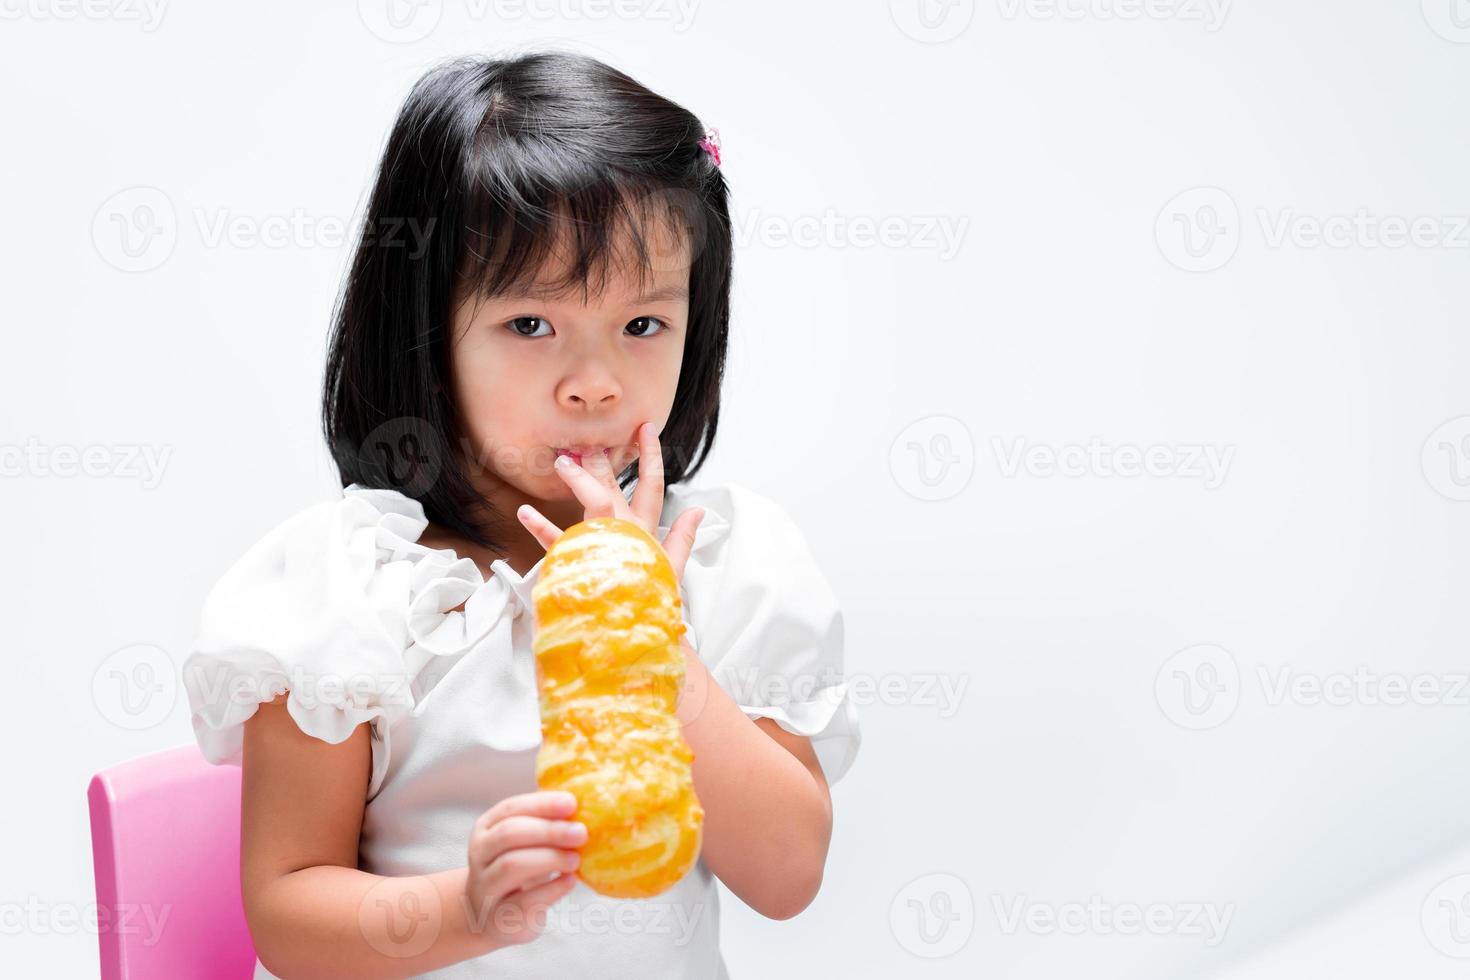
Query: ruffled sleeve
{"type": "Point", "coordinates": [765, 621]}
{"type": "Point", "coordinates": [318, 608]}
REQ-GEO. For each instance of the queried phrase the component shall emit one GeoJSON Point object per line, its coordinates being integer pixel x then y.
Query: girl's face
{"type": "Point", "coordinates": [537, 374]}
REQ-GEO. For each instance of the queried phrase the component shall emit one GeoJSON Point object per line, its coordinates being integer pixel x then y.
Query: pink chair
{"type": "Point", "coordinates": [166, 836]}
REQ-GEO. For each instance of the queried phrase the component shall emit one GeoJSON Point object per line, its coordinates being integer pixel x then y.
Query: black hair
{"type": "Point", "coordinates": [490, 161]}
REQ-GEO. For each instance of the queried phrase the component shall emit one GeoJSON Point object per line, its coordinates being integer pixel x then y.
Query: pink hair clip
{"type": "Point", "coordinates": [710, 142]}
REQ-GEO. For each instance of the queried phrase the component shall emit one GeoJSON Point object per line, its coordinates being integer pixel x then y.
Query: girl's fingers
{"type": "Point", "coordinates": [601, 469]}
{"type": "Point", "coordinates": [541, 529]}
{"type": "Point", "coordinates": [679, 542]}
{"type": "Point", "coordinates": [648, 493]}
{"type": "Point", "coordinates": [595, 497]}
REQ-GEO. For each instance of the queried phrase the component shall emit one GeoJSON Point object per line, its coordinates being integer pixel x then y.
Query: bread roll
{"type": "Point", "coordinates": [609, 669]}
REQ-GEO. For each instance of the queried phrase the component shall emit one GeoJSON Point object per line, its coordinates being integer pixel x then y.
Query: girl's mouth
{"type": "Point", "coordinates": [579, 452]}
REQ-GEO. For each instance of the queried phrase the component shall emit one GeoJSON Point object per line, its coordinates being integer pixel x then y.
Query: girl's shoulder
{"type": "Point", "coordinates": [318, 607]}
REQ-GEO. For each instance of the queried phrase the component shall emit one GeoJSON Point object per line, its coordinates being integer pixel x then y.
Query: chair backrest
{"type": "Point", "coordinates": [166, 853]}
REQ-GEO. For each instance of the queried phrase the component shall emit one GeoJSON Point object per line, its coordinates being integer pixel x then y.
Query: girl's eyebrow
{"type": "Point", "coordinates": [671, 292]}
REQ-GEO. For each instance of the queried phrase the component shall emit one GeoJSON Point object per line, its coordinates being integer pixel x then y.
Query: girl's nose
{"type": "Point", "coordinates": [591, 388]}
{"type": "Point", "coordinates": [580, 401]}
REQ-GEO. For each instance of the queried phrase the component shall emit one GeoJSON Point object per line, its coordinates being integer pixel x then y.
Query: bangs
{"type": "Point", "coordinates": [549, 242]}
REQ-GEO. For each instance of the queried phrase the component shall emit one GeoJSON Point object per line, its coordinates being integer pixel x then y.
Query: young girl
{"type": "Point", "coordinates": [535, 319]}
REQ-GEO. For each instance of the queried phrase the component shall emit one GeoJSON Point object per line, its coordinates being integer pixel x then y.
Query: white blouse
{"type": "Point", "coordinates": [341, 606]}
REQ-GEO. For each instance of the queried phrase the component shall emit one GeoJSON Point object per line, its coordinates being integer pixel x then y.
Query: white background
{"type": "Point", "coordinates": [878, 391]}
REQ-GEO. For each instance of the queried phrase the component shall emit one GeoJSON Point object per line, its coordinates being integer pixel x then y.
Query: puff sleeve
{"type": "Point", "coordinates": [766, 622]}
{"type": "Point", "coordinates": [297, 614]}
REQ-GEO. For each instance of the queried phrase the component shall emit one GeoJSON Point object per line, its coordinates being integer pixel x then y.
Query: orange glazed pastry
{"type": "Point", "coordinates": [609, 670]}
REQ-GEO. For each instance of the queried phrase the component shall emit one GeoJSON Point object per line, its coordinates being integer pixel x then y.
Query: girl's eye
{"type": "Point", "coordinates": [640, 326]}
{"type": "Point", "coordinates": [521, 323]}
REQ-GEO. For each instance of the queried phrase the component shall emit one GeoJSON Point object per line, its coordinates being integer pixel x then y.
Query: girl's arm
{"type": "Point", "coordinates": [311, 912]}
{"type": "Point", "coordinates": [768, 811]}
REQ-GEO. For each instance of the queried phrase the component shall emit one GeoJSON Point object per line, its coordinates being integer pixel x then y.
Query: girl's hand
{"type": "Point", "coordinates": [596, 486]}
{"type": "Point", "coordinates": [523, 857]}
